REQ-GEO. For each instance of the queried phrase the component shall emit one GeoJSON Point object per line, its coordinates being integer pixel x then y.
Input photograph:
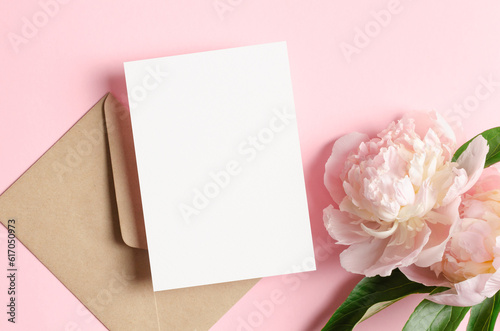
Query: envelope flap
{"type": "Point", "coordinates": [124, 168]}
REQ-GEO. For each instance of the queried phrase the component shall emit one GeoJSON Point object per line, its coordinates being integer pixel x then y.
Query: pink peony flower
{"type": "Point", "coordinates": [398, 193]}
{"type": "Point", "coordinates": [471, 262]}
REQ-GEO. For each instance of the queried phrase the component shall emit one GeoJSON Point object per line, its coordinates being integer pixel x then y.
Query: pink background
{"type": "Point", "coordinates": [426, 55]}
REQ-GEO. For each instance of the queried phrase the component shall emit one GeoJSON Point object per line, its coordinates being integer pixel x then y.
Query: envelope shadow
{"type": "Point", "coordinates": [118, 87]}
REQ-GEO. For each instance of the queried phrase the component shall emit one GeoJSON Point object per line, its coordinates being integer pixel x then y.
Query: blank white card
{"type": "Point", "coordinates": [219, 166]}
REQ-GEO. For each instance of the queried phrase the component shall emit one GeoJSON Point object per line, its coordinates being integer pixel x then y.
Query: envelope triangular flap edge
{"type": "Point", "coordinates": [124, 170]}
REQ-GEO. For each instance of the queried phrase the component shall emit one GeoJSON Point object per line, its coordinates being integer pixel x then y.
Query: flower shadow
{"type": "Point", "coordinates": [319, 198]}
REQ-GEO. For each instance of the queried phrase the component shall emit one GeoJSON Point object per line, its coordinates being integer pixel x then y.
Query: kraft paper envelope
{"type": "Point", "coordinates": [77, 209]}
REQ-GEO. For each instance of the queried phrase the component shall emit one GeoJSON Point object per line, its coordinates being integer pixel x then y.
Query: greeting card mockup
{"type": "Point", "coordinates": [219, 166]}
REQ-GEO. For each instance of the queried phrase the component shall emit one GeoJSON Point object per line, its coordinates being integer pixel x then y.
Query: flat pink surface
{"type": "Point", "coordinates": [59, 57]}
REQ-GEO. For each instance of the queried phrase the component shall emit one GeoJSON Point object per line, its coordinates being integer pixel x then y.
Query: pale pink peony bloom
{"type": "Point", "coordinates": [471, 262]}
{"type": "Point", "coordinates": [398, 193]}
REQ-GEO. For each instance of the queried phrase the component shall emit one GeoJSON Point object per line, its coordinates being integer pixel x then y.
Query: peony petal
{"type": "Point", "coordinates": [360, 258]}
{"type": "Point", "coordinates": [472, 160]}
{"type": "Point", "coordinates": [404, 191]}
{"type": "Point", "coordinates": [407, 253]}
{"type": "Point", "coordinates": [472, 242]}
{"type": "Point", "coordinates": [465, 294]}
{"type": "Point", "coordinates": [496, 251]}
{"type": "Point", "coordinates": [425, 200]}
{"type": "Point", "coordinates": [442, 222]}
{"type": "Point", "coordinates": [492, 286]}
{"type": "Point", "coordinates": [380, 234]}
{"type": "Point", "coordinates": [489, 180]}
{"type": "Point", "coordinates": [342, 228]}
{"type": "Point", "coordinates": [473, 209]}
{"type": "Point", "coordinates": [348, 206]}
{"type": "Point", "coordinates": [425, 276]}
{"type": "Point", "coordinates": [336, 162]}
{"type": "Point", "coordinates": [457, 187]}
{"type": "Point", "coordinates": [391, 257]}
{"type": "Point", "coordinates": [433, 120]}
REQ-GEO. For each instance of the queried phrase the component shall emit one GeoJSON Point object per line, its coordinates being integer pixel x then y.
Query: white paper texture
{"type": "Point", "coordinates": [219, 166]}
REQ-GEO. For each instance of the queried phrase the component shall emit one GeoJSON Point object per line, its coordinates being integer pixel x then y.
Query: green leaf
{"type": "Point", "coordinates": [484, 315]}
{"type": "Point", "coordinates": [371, 295]}
{"type": "Point", "coordinates": [493, 138]}
{"type": "Point", "coordinates": [430, 316]}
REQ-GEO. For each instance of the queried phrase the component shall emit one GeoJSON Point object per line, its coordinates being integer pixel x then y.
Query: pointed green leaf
{"type": "Point", "coordinates": [484, 315]}
{"type": "Point", "coordinates": [430, 316]}
{"type": "Point", "coordinates": [493, 138]}
{"type": "Point", "coordinates": [371, 295]}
